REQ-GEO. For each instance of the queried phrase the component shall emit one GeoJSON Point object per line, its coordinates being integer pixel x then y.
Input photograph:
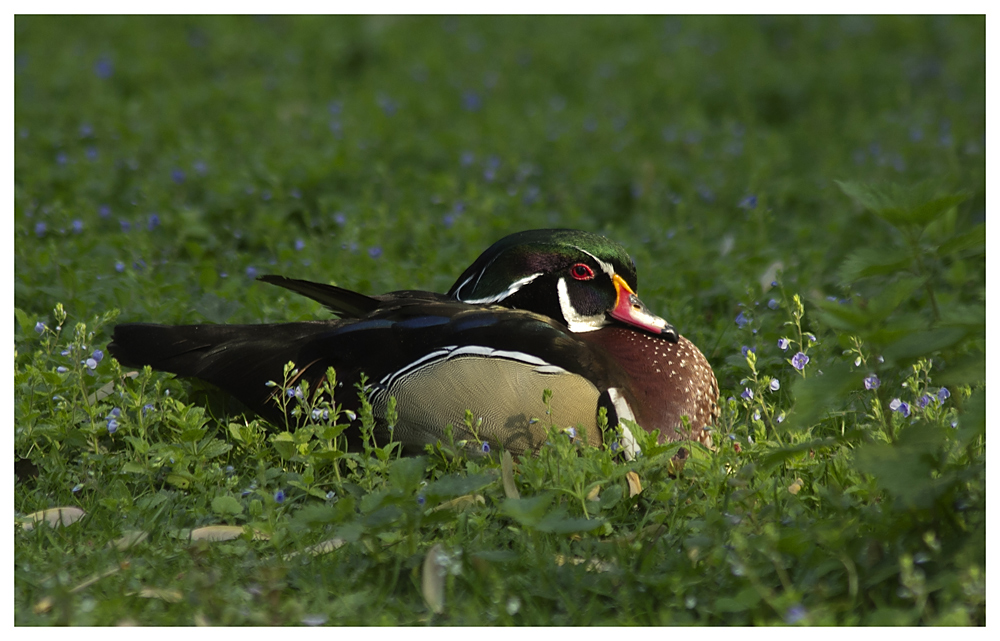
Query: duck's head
{"type": "Point", "coordinates": [578, 278]}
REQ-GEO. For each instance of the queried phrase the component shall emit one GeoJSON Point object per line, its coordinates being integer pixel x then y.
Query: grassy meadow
{"type": "Point", "coordinates": [804, 199]}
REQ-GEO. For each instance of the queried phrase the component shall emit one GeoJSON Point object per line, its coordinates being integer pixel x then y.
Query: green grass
{"type": "Point", "coordinates": [161, 162]}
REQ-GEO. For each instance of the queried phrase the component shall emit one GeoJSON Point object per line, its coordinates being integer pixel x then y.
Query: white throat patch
{"type": "Point", "coordinates": [578, 323]}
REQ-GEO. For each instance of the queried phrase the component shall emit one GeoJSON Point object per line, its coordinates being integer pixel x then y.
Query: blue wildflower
{"type": "Point", "coordinates": [420, 499]}
{"type": "Point", "coordinates": [924, 401]}
{"type": "Point", "coordinates": [811, 337]}
{"type": "Point", "coordinates": [772, 304]}
{"type": "Point", "coordinates": [119, 266]}
{"type": "Point", "coordinates": [148, 407]}
{"type": "Point", "coordinates": [290, 392]}
{"type": "Point", "coordinates": [103, 68]}
{"type": "Point", "coordinates": [783, 343]}
{"type": "Point", "coordinates": [747, 350]}
{"type": "Point", "coordinates": [774, 385]}
{"type": "Point", "coordinates": [795, 614]}
{"type": "Point", "coordinates": [486, 447]}
{"type": "Point", "coordinates": [91, 153]}
{"type": "Point", "coordinates": [40, 229]}
{"type": "Point", "coordinates": [756, 414]}
{"type": "Point", "coordinates": [375, 252]}
{"type": "Point", "coordinates": [571, 431]}
{"type": "Point", "coordinates": [91, 363]}
{"type": "Point", "coordinates": [872, 382]}
{"type": "Point", "coordinates": [467, 158]}
{"type": "Point", "coordinates": [750, 202]}
{"type": "Point", "coordinates": [177, 175]}
{"type": "Point", "coordinates": [39, 327]}
{"type": "Point", "coordinates": [902, 407]}
{"type": "Point", "coordinates": [126, 225]}
{"type": "Point", "coordinates": [77, 226]}
{"type": "Point", "coordinates": [340, 218]}
{"type": "Point", "coordinates": [104, 211]}
{"type": "Point", "coordinates": [943, 394]}
{"type": "Point", "coordinates": [279, 496]}
{"type": "Point", "coordinates": [747, 394]}
{"type": "Point", "coordinates": [98, 355]}
{"type": "Point", "coordinates": [741, 320]}
{"type": "Point", "coordinates": [251, 272]}
{"type": "Point", "coordinates": [112, 426]}
{"type": "Point", "coordinates": [62, 158]}
{"type": "Point", "coordinates": [471, 101]}
{"type": "Point", "coordinates": [154, 221]}
{"type": "Point", "coordinates": [781, 417]}
{"type": "Point", "coordinates": [200, 167]}
{"type": "Point", "coordinates": [62, 370]}
{"type": "Point", "coordinates": [799, 361]}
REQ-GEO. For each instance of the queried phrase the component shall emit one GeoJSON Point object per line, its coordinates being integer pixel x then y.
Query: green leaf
{"type": "Point", "coordinates": [923, 343]}
{"type": "Point", "coordinates": [405, 474]}
{"type": "Point", "coordinates": [456, 485]}
{"type": "Point", "coordinates": [975, 238]}
{"type": "Point", "coordinates": [905, 469]}
{"type": "Point", "coordinates": [873, 261]}
{"type": "Point", "coordinates": [284, 444]}
{"type": "Point", "coordinates": [818, 395]}
{"type": "Point", "coordinates": [966, 370]}
{"type": "Point", "coordinates": [23, 320]}
{"type": "Point", "coordinates": [211, 448]}
{"type": "Point", "coordinates": [226, 505]}
{"type": "Point", "coordinates": [528, 511]}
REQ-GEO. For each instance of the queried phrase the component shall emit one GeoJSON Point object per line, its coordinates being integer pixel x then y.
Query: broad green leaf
{"type": "Point", "coordinates": [284, 444]}
{"type": "Point", "coordinates": [975, 238]}
{"type": "Point", "coordinates": [966, 370]}
{"type": "Point", "coordinates": [226, 505]}
{"type": "Point", "coordinates": [874, 261]}
{"type": "Point", "coordinates": [923, 343]}
{"type": "Point", "coordinates": [528, 511]}
{"type": "Point", "coordinates": [214, 447]}
{"type": "Point", "coordinates": [457, 485]}
{"type": "Point", "coordinates": [405, 474]}
{"type": "Point", "coordinates": [817, 395]}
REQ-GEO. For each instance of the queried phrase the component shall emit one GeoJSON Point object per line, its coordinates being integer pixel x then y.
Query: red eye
{"type": "Point", "coordinates": [580, 271]}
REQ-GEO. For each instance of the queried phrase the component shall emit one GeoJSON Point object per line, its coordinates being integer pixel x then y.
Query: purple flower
{"type": "Point", "coordinates": [200, 167]}
{"type": "Point", "coordinates": [872, 382]}
{"type": "Point", "coordinates": [112, 426]}
{"type": "Point", "coordinates": [62, 158]}
{"type": "Point", "coordinates": [340, 218]}
{"type": "Point", "coordinates": [741, 320]}
{"type": "Point", "coordinates": [279, 496]}
{"type": "Point", "coordinates": [486, 447]}
{"type": "Point", "coordinates": [62, 370]}
{"type": "Point", "coordinates": [420, 499]}
{"type": "Point", "coordinates": [772, 304]}
{"type": "Point", "coordinates": [775, 385]}
{"type": "Point", "coordinates": [40, 229]}
{"type": "Point", "coordinates": [103, 68]}
{"type": "Point", "coordinates": [375, 252]}
{"type": "Point", "coordinates": [299, 244]}
{"type": "Point", "coordinates": [148, 407]}
{"type": "Point", "coordinates": [467, 158]}
{"type": "Point", "coordinates": [154, 221]}
{"type": "Point", "coordinates": [177, 175]}
{"type": "Point", "coordinates": [251, 272]}
{"type": "Point", "coordinates": [91, 153]}
{"type": "Point", "coordinates": [799, 361]}
{"type": "Point", "coordinates": [943, 394]}
{"type": "Point", "coordinates": [795, 614]}
{"type": "Point", "coordinates": [747, 394]}
{"type": "Point", "coordinates": [39, 327]}
{"type": "Point", "coordinates": [119, 266]}
{"type": "Point", "coordinates": [783, 343]}
{"type": "Point", "coordinates": [471, 101]}
{"type": "Point", "coordinates": [902, 407]}
{"type": "Point", "coordinates": [746, 350]}
{"type": "Point", "coordinates": [77, 226]}
{"type": "Point", "coordinates": [811, 337]}
{"type": "Point", "coordinates": [750, 202]}
{"type": "Point", "coordinates": [924, 401]}
{"type": "Point", "coordinates": [91, 363]}
{"type": "Point", "coordinates": [781, 417]}
{"type": "Point", "coordinates": [756, 414]}
{"type": "Point", "coordinates": [126, 225]}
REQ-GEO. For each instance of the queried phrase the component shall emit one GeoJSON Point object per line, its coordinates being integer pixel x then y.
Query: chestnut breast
{"type": "Point", "coordinates": [662, 381]}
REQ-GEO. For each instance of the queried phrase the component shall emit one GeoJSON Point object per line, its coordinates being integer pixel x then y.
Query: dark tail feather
{"type": "Point", "coordinates": [239, 359]}
{"type": "Point", "coordinates": [340, 301]}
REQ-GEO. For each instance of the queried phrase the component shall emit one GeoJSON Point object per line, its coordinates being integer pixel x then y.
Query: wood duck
{"type": "Point", "coordinates": [539, 310]}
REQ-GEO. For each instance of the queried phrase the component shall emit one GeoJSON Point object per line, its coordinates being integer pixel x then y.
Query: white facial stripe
{"type": "Point", "coordinates": [516, 285]}
{"type": "Point", "coordinates": [578, 323]}
{"type": "Point", "coordinates": [605, 267]}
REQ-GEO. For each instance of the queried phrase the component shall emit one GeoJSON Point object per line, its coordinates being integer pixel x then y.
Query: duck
{"type": "Point", "coordinates": [544, 328]}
